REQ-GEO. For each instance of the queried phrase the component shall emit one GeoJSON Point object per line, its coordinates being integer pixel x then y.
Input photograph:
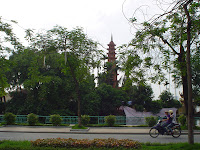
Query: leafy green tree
{"type": "Point", "coordinates": [107, 75]}
{"type": "Point", "coordinates": [156, 106]}
{"type": "Point", "coordinates": [8, 42]}
{"type": "Point", "coordinates": [110, 99]}
{"type": "Point", "coordinates": [44, 86]}
{"type": "Point", "coordinates": [195, 64]}
{"type": "Point", "coordinates": [168, 100]}
{"type": "Point", "coordinates": [80, 51]}
{"type": "Point", "coordinates": [168, 36]}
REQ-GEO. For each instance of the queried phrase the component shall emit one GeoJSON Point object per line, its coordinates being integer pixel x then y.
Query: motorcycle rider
{"type": "Point", "coordinates": [168, 121]}
{"type": "Point", "coordinates": [173, 121]}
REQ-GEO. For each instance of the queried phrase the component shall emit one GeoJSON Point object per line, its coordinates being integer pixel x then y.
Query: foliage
{"type": "Point", "coordinates": [110, 120]}
{"type": "Point", "coordinates": [2, 107]}
{"type": "Point", "coordinates": [195, 67]}
{"type": "Point", "coordinates": [9, 118]}
{"type": "Point", "coordinates": [55, 119]}
{"type": "Point", "coordinates": [8, 42]}
{"type": "Point", "coordinates": [182, 119]}
{"type": "Point", "coordinates": [168, 100]}
{"type": "Point", "coordinates": [156, 106]}
{"type": "Point", "coordinates": [164, 39]}
{"type": "Point", "coordinates": [32, 119]}
{"type": "Point", "coordinates": [79, 127]}
{"type": "Point", "coordinates": [106, 77]}
{"type": "Point", "coordinates": [28, 145]}
{"type": "Point", "coordinates": [4, 67]}
{"type": "Point", "coordinates": [151, 121]}
{"type": "Point", "coordinates": [39, 96]}
{"type": "Point", "coordinates": [85, 143]}
{"type": "Point", "coordinates": [85, 119]}
{"type": "Point", "coordinates": [110, 99]}
{"type": "Point", "coordinates": [141, 96]}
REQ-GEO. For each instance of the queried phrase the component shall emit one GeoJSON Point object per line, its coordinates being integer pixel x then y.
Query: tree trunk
{"type": "Point", "coordinates": [183, 69]}
{"type": "Point", "coordinates": [190, 105]}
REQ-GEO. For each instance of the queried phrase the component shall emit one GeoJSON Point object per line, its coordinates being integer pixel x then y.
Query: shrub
{"type": "Point", "coordinates": [85, 119]}
{"type": "Point", "coordinates": [110, 120]}
{"type": "Point", "coordinates": [55, 119]}
{"type": "Point", "coordinates": [182, 119]}
{"type": "Point", "coordinates": [32, 119]}
{"type": "Point", "coordinates": [150, 121]}
{"type": "Point", "coordinates": [9, 118]}
{"type": "Point", "coordinates": [85, 143]}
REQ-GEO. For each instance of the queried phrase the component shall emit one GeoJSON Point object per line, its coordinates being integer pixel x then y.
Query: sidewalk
{"type": "Point", "coordinates": [92, 130]}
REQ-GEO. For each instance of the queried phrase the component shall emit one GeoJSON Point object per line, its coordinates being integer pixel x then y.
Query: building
{"type": "Point", "coordinates": [112, 60]}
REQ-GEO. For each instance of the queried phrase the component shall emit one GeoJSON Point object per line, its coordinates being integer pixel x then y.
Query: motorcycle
{"type": "Point", "coordinates": [158, 129]}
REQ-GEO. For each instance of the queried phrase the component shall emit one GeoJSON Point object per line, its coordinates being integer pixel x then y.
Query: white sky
{"type": "Point", "coordinates": [99, 18]}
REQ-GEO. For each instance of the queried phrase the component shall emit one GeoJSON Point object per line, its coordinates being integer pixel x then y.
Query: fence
{"type": "Point", "coordinates": [120, 120]}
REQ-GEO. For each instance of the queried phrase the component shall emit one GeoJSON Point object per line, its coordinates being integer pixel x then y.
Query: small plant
{"type": "Point", "coordinates": [78, 127]}
{"type": "Point", "coordinates": [182, 120]}
{"type": "Point", "coordinates": [9, 118]}
{"type": "Point", "coordinates": [56, 120]}
{"type": "Point", "coordinates": [85, 119]}
{"type": "Point", "coordinates": [150, 121]}
{"type": "Point", "coordinates": [32, 119]}
{"type": "Point", "coordinates": [110, 120]}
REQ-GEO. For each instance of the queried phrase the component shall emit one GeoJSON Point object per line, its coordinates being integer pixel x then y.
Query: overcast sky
{"type": "Point", "coordinates": [99, 18]}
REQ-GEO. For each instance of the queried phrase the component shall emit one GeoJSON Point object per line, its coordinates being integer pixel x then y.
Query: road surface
{"type": "Point", "coordinates": [138, 137]}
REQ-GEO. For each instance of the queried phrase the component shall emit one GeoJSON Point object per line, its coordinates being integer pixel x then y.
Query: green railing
{"type": "Point", "coordinates": [121, 120]}
{"type": "Point", "coordinates": [67, 119]}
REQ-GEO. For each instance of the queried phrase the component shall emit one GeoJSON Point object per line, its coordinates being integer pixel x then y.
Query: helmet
{"type": "Point", "coordinates": [170, 111]}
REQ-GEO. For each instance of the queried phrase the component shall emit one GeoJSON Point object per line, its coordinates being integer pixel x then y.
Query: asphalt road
{"type": "Point", "coordinates": [138, 137]}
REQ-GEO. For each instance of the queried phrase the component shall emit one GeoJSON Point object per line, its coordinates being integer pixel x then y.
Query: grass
{"type": "Point", "coordinates": [170, 146]}
{"type": "Point", "coordinates": [185, 128]}
{"type": "Point", "coordinates": [78, 127]}
{"type": "Point", "coordinates": [26, 145]}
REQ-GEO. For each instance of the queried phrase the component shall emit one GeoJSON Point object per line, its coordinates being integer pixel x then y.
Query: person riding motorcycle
{"type": "Point", "coordinates": [168, 121]}
{"type": "Point", "coordinates": [173, 121]}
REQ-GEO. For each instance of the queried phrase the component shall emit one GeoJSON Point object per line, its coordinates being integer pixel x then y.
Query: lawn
{"type": "Point", "coordinates": [26, 145]}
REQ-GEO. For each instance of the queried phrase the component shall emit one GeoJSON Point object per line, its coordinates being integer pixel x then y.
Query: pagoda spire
{"type": "Point", "coordinates": [112, 59]}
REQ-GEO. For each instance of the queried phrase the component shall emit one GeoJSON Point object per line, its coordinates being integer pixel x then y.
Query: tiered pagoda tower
{"type": "Point", "coordinates": [112, 59]}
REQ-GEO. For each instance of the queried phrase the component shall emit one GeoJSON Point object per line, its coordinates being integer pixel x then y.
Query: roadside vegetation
{"type": "Point", "coordinates": [26, 145]}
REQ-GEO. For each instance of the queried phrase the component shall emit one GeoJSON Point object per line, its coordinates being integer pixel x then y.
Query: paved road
{"type": "Point", "coordinates": [139, 137]}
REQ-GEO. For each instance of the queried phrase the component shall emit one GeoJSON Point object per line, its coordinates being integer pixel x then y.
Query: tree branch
{"type": "Point", "coordinates": [166, 42]}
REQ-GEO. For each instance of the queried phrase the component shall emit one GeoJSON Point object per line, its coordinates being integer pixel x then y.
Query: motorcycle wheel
{"type": "Point", "coordinates": [153, 133]}
{"type": "Point", "coordinates": [176, 132]}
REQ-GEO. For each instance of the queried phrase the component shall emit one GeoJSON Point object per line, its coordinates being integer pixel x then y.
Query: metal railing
{"type": "Point", "coordinates": [120, 120]}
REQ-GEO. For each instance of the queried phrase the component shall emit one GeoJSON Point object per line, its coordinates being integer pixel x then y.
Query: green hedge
{"type": "Point", "coordinates": [55, 120]}
{"type": "Point", "coordinates": [32, 119]}
{"type": "Point", "coordinates": [110, 120]}
{"type": "Point", "coordinates": [9, 118]}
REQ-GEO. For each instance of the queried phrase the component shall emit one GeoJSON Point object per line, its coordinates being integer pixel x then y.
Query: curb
{"type": "Point", "coordinates": [75, 131]}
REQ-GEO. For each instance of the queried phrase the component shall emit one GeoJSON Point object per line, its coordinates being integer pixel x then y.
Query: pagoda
{"type": "Point", "coordinates": [112, 59]}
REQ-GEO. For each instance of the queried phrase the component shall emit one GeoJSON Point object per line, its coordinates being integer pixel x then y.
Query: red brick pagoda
{"type": "Point", "coordinates": [112, 59]}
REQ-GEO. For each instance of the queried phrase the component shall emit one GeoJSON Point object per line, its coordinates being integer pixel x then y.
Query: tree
{"type": "Point", "coordinates": [107, 75]}
{"type": "Point", "coordinates": [8, 42]}
{"type": "Point", "coordinates": [141, 96]}
{"type": "Point", "coordinates": [80, 51]}
{"type": "Point", "coordinates": [179, 30]}
{"type": "Point", "coordinates": [189, 76]}
{"type": "Point", "coordinates": [110, 99]}
{"type": "Point", "coordinates": [168, 101]}
{"type": "Point", "coordinates": [195, 64]}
